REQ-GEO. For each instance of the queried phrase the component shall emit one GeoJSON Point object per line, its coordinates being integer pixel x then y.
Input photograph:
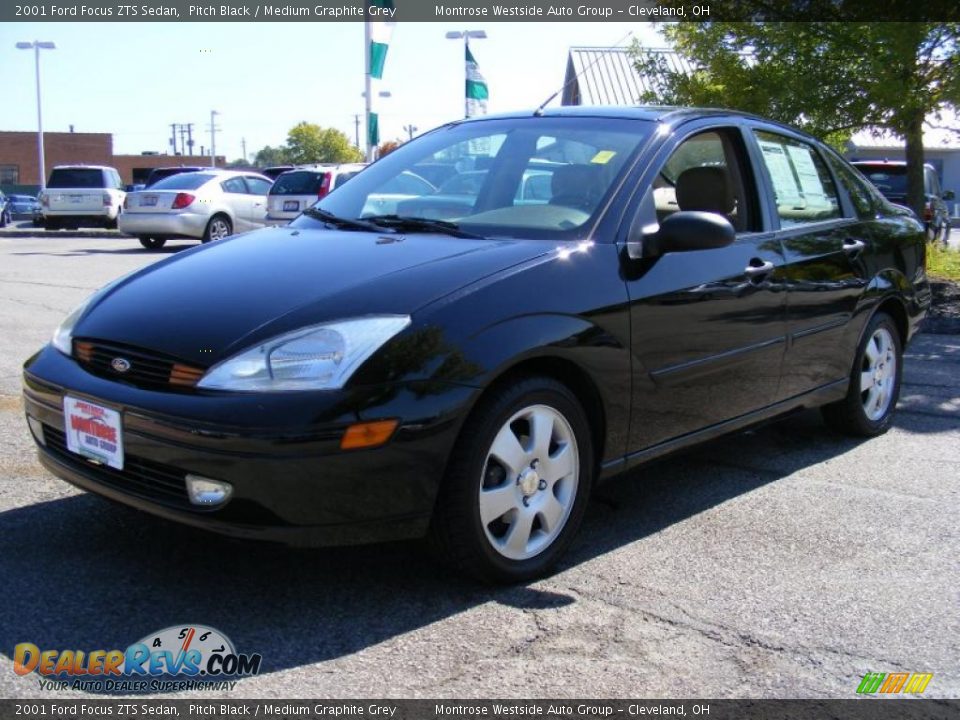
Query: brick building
{"type": "Point", "coordinates": [18, 157]}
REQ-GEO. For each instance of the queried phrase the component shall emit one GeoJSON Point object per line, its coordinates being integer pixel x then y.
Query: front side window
{"type": "Point", "coordinates": [802, 184]}
{"type": "Point", "coordinates": [706, 173]}
{"type": "Point", "coordinates": [521, 177]}
{"type": "Point", "coordinates": [258, 186]}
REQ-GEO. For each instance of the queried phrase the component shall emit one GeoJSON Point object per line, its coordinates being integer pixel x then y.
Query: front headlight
{"type": "Point", "coordinates": [62, 338]}
{"type": "Point", "coordinates": [320, 357]}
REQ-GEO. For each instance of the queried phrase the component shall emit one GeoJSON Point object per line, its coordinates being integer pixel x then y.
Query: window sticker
{"type": "Point", "coordinates": [781, 172]}
{"type": "Point", "coordinates": [603, 157]}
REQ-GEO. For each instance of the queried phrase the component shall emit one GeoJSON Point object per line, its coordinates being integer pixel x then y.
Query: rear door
{"type": "Point", "coordinates": [827, 248]}
{"type": "Point", "coordinates": [240, 202]}
{"type": "Point", "coordinates": [708, 326]}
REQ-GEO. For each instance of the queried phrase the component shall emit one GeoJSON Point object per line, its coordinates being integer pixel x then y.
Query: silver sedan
{"type": "Point", "coordinates": [206, 205]}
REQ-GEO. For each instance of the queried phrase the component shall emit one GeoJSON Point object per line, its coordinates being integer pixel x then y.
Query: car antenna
{"type": "Point", "coordinates": [539, 111]}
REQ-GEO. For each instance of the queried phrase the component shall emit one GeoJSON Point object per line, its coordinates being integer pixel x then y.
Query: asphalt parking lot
{"type": "Point", "coordinates": [780, 562]}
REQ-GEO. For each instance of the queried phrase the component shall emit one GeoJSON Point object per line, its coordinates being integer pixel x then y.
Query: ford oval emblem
{"type": "Point", "coordinates": [121, 365]}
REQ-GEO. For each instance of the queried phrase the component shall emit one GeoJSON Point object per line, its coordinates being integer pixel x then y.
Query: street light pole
{"type": "Point", "coordinates": [37, 46]}
{"type": "Point", "coordinates": [466, 35]}
{"type": "Point", "coordinates": [213, 138]}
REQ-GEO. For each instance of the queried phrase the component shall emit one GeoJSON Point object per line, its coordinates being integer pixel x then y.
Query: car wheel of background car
{"type": "Point", "coordinates": [111, 223]}
{"type": "Point", "coordinates": [218, 228]}
{"type": "Point", "coordinates": [153, 243]}
{"type": "Point", "coordinates": [4, 219]}
{"type": "Point", "coordinates": [868, 408]}
{"type": "Point", "coordinates": [51, 224]}
{"type": "Point", "coordinates": [518, 483]}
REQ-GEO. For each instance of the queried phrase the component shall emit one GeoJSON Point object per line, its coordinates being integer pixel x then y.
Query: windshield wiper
{"type": "Point", "coordinates": [341, 222]}
{"type": "Point", "coordinates": [404, 223]}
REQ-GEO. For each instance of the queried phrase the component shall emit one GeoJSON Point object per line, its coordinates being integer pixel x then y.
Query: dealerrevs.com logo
{"type": "Point", "coordinates": [182, 657]}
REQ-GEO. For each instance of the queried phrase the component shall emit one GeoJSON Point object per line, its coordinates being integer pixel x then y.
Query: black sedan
{"type": "Point", "coordinates": [356, 377]}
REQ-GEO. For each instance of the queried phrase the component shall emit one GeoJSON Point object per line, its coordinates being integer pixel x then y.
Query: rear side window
{"type": "Point", "coordinates": [856, 187]}
{"type": "Point", "coordinates": [297, 183]}
{"type": "Point", "coordinates": [802, 184]}
{"type": "Point", "coordinates": [183, 181]}
{"type": "Point", "coordinates": [77, 178]}
{"type": "Point", "coordinates": [234, 185]}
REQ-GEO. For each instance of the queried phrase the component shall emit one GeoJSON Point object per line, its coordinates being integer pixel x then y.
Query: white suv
{"type": "Point", "coordinates": [82, 195]}
{"type": "Point", "coordinates": [296, 190]}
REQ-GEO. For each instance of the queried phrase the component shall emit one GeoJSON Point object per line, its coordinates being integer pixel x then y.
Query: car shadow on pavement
{"type": "Point", "coordinates": [83, 573]}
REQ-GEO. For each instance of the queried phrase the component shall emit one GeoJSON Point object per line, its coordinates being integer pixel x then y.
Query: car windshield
{"type": "Point", "coordinates": [183, 181]}
{"type": "Point", "coordinates": [529, 177]}
{"type": "Point", "coordinates": [889, 180]}
{"type": "Point", "coordinates": [76, 178]}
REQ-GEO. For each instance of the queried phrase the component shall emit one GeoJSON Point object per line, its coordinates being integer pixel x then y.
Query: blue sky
{"type": "Point", "coordinates": [135, 79]}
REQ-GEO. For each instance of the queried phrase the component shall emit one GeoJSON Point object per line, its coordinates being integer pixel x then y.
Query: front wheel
{"type": "Point", "coordinates": [218, 228]}
{"type": "Point", "coordinates": [867, 410]}
{"type": "Point", "coordinates": [518, 483]}
{"type": "Point", "coordinates": [152, 243]}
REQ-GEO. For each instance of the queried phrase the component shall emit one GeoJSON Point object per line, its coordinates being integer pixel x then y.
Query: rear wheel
{"type": "Point", "coordinates": [152, 243]}
{"type": "Point", "coordinates": [218, 228]}
{"type": "Point", "coordinates": [51, 224]}
{"type": "Point", "coordinates": [867, 410]}
{"type": "Point", "coordinates": [518, 483]}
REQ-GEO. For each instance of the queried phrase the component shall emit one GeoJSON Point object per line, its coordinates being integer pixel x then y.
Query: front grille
{"type": "Point", "coordinates": [145, 369]}
{"type": "Point", "coordinates": [144, 478]}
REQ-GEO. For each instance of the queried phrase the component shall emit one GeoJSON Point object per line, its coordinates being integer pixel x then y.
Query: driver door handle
{"type": "Point", "coordinates": [757, 268]}
{"type": "Point", "coordinates": [852, 246]}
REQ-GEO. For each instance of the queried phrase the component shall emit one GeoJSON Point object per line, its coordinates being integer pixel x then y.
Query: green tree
{"type": "Point", "coordinates": [309, 143]}
{"type": "Point", "coordinates": [268, 156]}
{"type": "Point", "coordinates": [829, 78]}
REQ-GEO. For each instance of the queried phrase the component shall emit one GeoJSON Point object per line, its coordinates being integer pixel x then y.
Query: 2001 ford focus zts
{"type": "Point", "coordinates": [471, 364]}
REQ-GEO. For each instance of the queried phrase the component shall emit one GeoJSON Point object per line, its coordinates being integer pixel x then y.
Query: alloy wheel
{"type": "Point", "coordinates": [878, 374]}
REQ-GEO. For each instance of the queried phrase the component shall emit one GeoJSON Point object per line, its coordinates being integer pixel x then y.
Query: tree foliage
{"type": "Point", "coordinates": [828, 78]}
{"type": "Point", "coordinates": [310, 143]}
{"type": "Point", "coordinates": [268, 156]}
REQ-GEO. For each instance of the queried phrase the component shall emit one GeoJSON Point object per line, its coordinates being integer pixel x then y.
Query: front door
{"type": "Point", "coordinates": [708, 326]}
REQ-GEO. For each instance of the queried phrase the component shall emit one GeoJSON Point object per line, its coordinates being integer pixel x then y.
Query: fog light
{"type": "Point", "coordinates": [36, 427]}
{"type": "Point", "coordinates": [204, 491]}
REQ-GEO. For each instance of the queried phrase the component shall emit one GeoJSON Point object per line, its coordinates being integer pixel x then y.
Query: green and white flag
{"type": "Point", "coordinates": [477, 93]}
{"type": "Point", "coordinates": [378, 41]}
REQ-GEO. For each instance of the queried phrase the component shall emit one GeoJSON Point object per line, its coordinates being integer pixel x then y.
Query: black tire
{"type": "Point", "coordinates": [457, 533]}
{"type": "Point", "coordinates": [152, 243]}
{"type": "Point", "coordinates": [213, 229]}
{"type": "Point", "coordinates": [850, 416]}
{"type": "Point", "coordinates": [51, 224]}
{"type": "Point", "coordinates": [4, 219]}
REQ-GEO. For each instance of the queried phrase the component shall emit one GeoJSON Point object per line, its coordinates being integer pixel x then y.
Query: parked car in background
{"type": "Point", "coordinates": [23, 206]}
{"type": "Point", "coordinates": [295, 190]}
{"type": "Point", "coordinates": [347, 379]}
{"type": "Point", "coordinates": [207, 205]}
{"type": "Point", "coordinates": [158, 174]}
{"type": "Point", "coordinates": [82, 195]}
{"type": "Point", "coordinates": [404, 187]}
{"type": "Point", "coordinates": [276, 171]}
{"type": "Point", "coordinates": [5, 212]}
{"type": "Point", "coordinates": [890, 177]}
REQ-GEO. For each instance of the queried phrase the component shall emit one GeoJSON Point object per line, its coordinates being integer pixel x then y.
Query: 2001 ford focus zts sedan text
{"type": "Point", "coordinates": [470, 371]}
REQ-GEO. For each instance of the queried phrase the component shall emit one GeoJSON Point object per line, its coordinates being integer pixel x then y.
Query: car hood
{"type": "Point", "coordinates": [204, 304]}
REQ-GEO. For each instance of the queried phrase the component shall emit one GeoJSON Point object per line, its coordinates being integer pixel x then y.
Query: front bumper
{"type": "Point", "coordinates": [163, 225]}
{"type": "Point", "coordinates": [281, 453]}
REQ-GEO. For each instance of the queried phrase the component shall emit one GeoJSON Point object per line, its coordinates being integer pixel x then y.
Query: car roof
{"type": "Point", "coordinates": [669, 114]}
{"type": "Point", "coordinates": [74, 166]}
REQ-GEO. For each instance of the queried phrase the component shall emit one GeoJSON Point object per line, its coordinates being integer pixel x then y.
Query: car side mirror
{"type": "Point", "coordinates": [689, 230]}
{"type": "Point", "coordinates": [949, 195]}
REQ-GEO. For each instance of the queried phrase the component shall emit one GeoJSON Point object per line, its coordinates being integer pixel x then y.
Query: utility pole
{"type": "Point", "coordinates": [173, 137]}
{"type": "Point", "coordinates": [356, 129]}
{"type": "Point", "coordinates": [410, 130]}
{"type": "Point", "coordinates": [190, 138]}
{"type": "Point", "coordinates": [183, 145]}
{"type": "Point", "coordinates": [213, 138]}
{"type": "Point", "coordinates": [243, 144]}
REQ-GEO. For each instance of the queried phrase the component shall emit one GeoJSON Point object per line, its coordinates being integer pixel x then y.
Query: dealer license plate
{"type": "Point", "coordinates": [291, 205]}
{"type": "Point", "coordinates": [93, 431]}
